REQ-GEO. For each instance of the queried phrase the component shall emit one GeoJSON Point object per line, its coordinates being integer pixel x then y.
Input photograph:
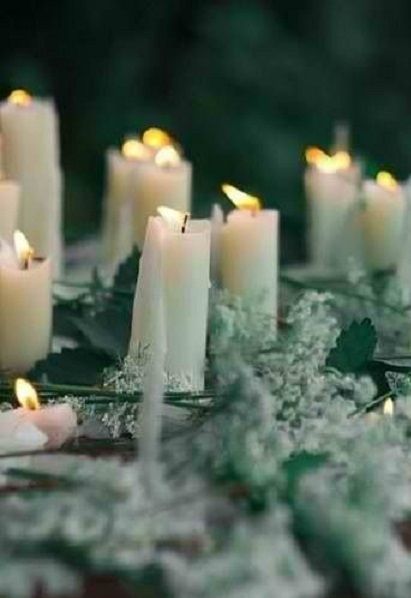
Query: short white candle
{"type": "Point", "coordinates": [164, 181]}
{"type": "Point", "coordinates": [184, 281]}
{"type": "Point", "coordinates": [332, 189]}
{"type": "Point", "coordinates": [25, 310]}
{"type": "Point", "coordinates": [57, 422]}
{"type": "Point", "coordinates": [18, 434]}
{"type": "Point", "coordinates": [9, 208]}
{"type": "Point", "coordinates": [31, 156]}
{"type": "Point", "coordinates": [249, 252]}
{"type": "Point", "coordinates": [381, 221]}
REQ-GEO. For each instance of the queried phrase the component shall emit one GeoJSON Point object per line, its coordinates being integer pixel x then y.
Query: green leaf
{"type": "Point", "coordinates": [127, 272]}
{"type": "Point", "coordinates": [72, 366]}
{"type": "Point", "coordinates": [108, 331]}
{"type": "Point", "coordinates": [354, 348]}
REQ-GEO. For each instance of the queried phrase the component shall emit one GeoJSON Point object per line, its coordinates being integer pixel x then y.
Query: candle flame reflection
{"type": "Point", "coordinates": [23, 249]}
{"type": "Point", "coordinates": [26, 394]}
{"type": "Point", "coordinates": [19, 97]}
{"type": "Point", "coordinates": [241, 200]}
{"type": "Point", "coordinates": [388, 408]}
{"type": "Point", "coordinates": [156, 138]}
{"type": "Point", "coordinates": [327, 163]}
{"type": "Point", "coordinates": [386, 180]}
{"type": "Point", "coordinates": [167, 156]}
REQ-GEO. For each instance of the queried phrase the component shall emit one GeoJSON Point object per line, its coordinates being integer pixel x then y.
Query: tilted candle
{"type": "Point", "coordinates": [332, 189]}
{"type": "Point", "coordinates": [31, 157]}
{"type": "Point", "coordinates": [249, 251]}
{"type": "Point", "coordinates": [25, 309]}
{"type": "Point", "coordinates": [182, 279]}
{"type": "Point", "coordinates": [382, 222]}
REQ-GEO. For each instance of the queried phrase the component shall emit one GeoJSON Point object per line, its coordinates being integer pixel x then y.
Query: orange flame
{"type": "Point", "coordinates": [175, 219]}
{"type": "Point", "coordinates": [134, 149]}
{"type": "Point", "coordinates": [26, 394]}
{"type": "Point", "coordinates": [241, 200]}
{"type": "Point", "coordinates": [19, 97]}
{"type": "Point", "coordinates": [23, 249]}
{"type": "Point", "coordinates": [327, 163]}
{"type": "Point", "coordinates": [386, 180]}
{"type": "Point", "coordinates": [156, 138]}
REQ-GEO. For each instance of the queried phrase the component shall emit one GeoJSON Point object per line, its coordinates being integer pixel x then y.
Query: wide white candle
{"type": "Point", "coordinates": [332, 190]}
{"type": "Point", "coordinates": [249, 252]}
{"type": "Point", "coordinates": [57, 422]}
{"type": "Point", "coordinates": [9, 208]}
{"type": "Point", "coordinates": [31, 156]}
{"type": "Point", "coordinates": [25, 311]}
{"type": "Point", "coordinates": [184, 282]}
{"type": "Point", "coordinates": [382, 220]}
{"type": "Point", "coordinates": [164, 181]}
{"type": "Point", "coordinates": [18, 434]}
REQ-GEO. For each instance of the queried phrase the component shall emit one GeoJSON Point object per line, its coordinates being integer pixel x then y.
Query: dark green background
{"type": "Point", "coordinates": [244, 86]}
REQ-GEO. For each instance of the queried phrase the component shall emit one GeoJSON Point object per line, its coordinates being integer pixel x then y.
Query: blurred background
{"type": "Point", "coordinates": [245, 86]}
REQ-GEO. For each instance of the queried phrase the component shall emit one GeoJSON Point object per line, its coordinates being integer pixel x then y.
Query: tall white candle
{"type": "Point", "coordinates": [332, 189]}
{"type": "Point", "coordinates": [382, 219]}
{"type": "Point", "coordinates": [164, 181]}
{"type": "Point", "coordinates": [184, 277]}
{"type": "Point", "coordinates": [31, 156]}
{"type": "Point", "coordinates": [122, 171]}
{"type": "Point", "coordinates": [25, 311]}
{"type": "Point", "coordinates": [249, 252]}
{"type": "Point", "coordinates": [9, 208]}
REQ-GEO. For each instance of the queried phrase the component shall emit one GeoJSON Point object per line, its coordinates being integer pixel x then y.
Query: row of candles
{"type": "Point", "coordinates": [148, 203]}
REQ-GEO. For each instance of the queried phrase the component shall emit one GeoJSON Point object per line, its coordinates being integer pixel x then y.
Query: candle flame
{"type": "Point", "coordinates": [327, 163]}
{"type": "Point", "coordinates": [175, 219]}
{"type": "Point", "coordinates": [156, 138]}
{"type": "Point", "coordinates": [167, 156]}
{"type": "Point", "coordinates": [241, 200]}
{"type": "Point", "coordinates": [26, 394]}
{"type": "Point", "coordinates": [386, 180]}
{"type": "Point", "coordinates": [19, 97]}
{"type": "Point", "coordinates": [134, 149]}
{"type": "Point", "coordinates": [388, 408]}
{"type": "Point", "coordinates": [23, 249]}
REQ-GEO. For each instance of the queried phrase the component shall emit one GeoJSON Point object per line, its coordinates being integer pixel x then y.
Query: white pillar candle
{"type": "Point", "coordinates": [25, 311]}
{"type": "Point", "coordinates": [249, 252]}
{"type": "Point", "coordinates": [332, 190]}
{"type": "Point", "coordinates": [57, 422]}
{"type": "Point", "coordinates": [164, 181]}
{"type": "Point", "coordinates": [31, 157]}
{"type": "Point", "coordinates": [382, 219]}
{"type": "Point", "coordinates": [9, 208]}
{"type": "Point", "coordinates": [184, 277]}
{"type": "Point", "coordinates": [122, 170]}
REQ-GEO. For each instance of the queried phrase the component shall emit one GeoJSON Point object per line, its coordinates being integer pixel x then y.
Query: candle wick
{"type": "Point", "coordinates": [185, 222]}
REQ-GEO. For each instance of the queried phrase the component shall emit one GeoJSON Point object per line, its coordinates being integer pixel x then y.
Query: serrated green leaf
{"type": "Point", "coordinates": [72, 366]}
{"type": "Point", "coordinates": [354, 348]}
